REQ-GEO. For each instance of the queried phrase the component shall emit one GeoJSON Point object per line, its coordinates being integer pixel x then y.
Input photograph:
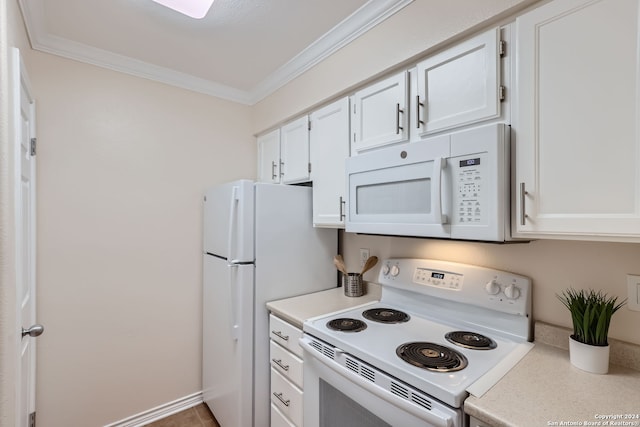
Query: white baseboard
{"type": "Point", "coordinates": [159, 412]}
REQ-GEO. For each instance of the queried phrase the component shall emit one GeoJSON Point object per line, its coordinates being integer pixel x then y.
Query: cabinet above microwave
{"type": "Point", "coordinates": [463, 85]}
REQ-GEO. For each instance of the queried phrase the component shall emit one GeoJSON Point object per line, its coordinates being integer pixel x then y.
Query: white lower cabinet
{"type": "Point", "coordinates": [285, 356]}
{"type": "Point", "coordinates": [278, 419]}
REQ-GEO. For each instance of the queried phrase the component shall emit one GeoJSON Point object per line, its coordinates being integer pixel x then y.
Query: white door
{"type": "Point", "coordinates": [24, 108]}
{"type": "Point", "coordinates": [577, 121]}
{"type": "Point", "coordinates": [294, 146]}
{"type": "Point", "coordinates": [269, 157]}
{"type": "Point", "coordinates": [380, 114]}
{"type": "Point", "coordinates": [329, 147]}
{"type": "Point", "coordinates": [227, 341]}
{"type": "Point", "coordinates": [460, 85]}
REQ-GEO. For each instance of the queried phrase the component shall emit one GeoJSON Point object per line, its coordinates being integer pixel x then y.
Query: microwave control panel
{"type": "Point", "coordinates": [470, 201]}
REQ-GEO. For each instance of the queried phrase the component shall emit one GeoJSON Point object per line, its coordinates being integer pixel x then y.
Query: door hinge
{"type": "Point", "coordinates": [354, 108]}
{"type": "Point", "coordinates": [32, 419]}
{"type": "Point", "coordinates": [501, 93]}
{"type": "Point", "coordinates": [32, 148]}
{"type": "Point", "coordinates": [502, 48]}
{"type": "Point", "coordinates": [309, 125]}
{"type": "Point", "coordinates": [309, 167]}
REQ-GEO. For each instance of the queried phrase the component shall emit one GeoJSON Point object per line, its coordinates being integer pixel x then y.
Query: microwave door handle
{"type": "Point", "coordinates": [439, 164]}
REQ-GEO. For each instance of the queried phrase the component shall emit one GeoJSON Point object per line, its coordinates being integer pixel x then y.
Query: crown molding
{"type": "Point", "coordinates": [362, 20]}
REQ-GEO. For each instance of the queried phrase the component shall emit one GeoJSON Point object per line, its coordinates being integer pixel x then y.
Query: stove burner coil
{"type": "Point", "coordinates": [347, 325]}
{"type": "Point", "coordinates": [471, 340]}
{"type": "Point", "coordinates": [385, 315]}
{"type": "Point", "coordinates": [430, 356]}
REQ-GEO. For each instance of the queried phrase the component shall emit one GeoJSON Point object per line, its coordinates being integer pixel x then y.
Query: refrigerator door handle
{"type": "Point", "coordinates": [233, 283]}
{"type": "Point", "coordinates": [233, 213]}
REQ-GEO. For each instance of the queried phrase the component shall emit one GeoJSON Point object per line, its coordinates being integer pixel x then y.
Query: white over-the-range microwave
{"type": "Point", "coordinates": [452, 186]}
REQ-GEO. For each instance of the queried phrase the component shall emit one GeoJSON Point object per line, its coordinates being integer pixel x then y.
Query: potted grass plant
{"type": "Point", "coordinates": [591, 314]}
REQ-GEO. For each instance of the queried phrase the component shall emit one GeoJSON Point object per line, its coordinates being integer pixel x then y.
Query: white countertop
{"type": "Point", "coordinates": [297, 309]}
{"type": "Point", "coordinates": [544, 389]}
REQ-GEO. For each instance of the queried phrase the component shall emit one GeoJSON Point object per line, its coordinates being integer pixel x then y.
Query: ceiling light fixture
{"type": "Point", "coordinates": [194, 8]}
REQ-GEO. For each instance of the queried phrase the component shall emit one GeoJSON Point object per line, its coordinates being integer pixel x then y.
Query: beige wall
{"type": "Point", "coordinates": [122, 166]}
{"type": "Point", "coordinates": [553, 265]}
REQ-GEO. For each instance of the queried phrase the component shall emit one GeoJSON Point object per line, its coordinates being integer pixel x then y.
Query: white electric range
{"type": "Point", "coordinates": [440, 331]}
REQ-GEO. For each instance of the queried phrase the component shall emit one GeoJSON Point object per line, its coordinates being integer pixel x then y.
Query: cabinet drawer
{"type": "Point", "coordinates": [286, 363]}
{"type": "Point", "coordinates": [278, 419]}
{"type": "Point", "coordinates": [285, 334]}
{"type": "Point", "coordinates": [286, 397]}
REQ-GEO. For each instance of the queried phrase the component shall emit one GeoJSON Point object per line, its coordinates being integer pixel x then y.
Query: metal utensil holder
{"type": "Point", "coordinates": [353, 285]}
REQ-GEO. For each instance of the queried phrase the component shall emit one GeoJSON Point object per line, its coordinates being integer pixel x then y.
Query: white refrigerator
{"type": "Point", "coordinates": [259, 246]}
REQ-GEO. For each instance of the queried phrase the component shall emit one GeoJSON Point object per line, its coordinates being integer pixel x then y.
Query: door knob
{"type": "Point", "coordinates": [34, 331]}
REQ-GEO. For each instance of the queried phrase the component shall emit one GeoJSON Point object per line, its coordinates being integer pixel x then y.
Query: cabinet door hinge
{"type": "Point", "coordinates": [501, 93]}
{"type": "Point", "coordinates": [309, 167]}
{"type": "Point", "coordinates": [502, 48]}
{"type": "Point", "coordinates": [354, 108]}
{"type": "Point", "coordinates": [32, 419]}
{"type": "Point", "coordinates": [32, 148]}
{"type": "Point", "coordinates": [309, 125]}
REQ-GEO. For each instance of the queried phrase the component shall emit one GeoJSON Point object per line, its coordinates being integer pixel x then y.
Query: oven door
{"type": "Point", "coordinates": [337, 396]}
{"type": "Point", "coordinates": [400, 190]}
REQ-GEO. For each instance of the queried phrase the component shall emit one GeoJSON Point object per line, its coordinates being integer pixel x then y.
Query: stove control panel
{"type": "Point", "coordinates": [491, 289]}
{"type": "Point", "coordinates": [441, 279]}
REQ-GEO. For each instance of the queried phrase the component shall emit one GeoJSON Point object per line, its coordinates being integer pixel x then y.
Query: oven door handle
{"type": "Point", "coordinates": [434, 417]}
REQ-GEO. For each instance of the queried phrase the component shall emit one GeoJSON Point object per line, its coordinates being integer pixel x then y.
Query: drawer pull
{"type": "Point", "coordinates": [279, 363]}
{"type": "Point", "coordinates": [279, 335]}
{"type": "Point", "coordinates": [279, 396]}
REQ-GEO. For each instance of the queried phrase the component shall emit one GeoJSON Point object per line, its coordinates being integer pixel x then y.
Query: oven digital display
{"type": "Point", "coordinates": [470, 162]}
{"type": "Point", "coordinates": [437, 275]}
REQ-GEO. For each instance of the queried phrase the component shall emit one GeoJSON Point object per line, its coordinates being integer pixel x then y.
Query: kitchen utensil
{"type": "Point", "coordinates": [369, 264]}
{"type": "Point", "coordinates": [353, 285]}
{"type": "Point", "coordinates": [339, 263]}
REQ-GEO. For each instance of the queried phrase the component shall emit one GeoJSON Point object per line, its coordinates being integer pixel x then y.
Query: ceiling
{"type": "Point", "coordinates": [242, 50]}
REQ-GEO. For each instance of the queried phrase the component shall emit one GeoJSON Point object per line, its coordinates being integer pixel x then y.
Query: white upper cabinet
{"type": "Point", "coordinates": [329, 146]}
{"type": "Point", "coordinates": [459, 86]}
{"type": "Point", "coordinates": [294, 151]}
{"type": "Point", "coordinates": [577, 121]}
{"type": "Point", "coordinates": [269, 157]}
{"type": "Point", "coordinates": [380, 114]}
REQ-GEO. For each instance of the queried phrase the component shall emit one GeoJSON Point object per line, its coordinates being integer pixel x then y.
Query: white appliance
{"type": "Point", "coordinates": [440, 331]}
{"type": "Point", "coordinates": [455, 185]}
{"type": "Point", "coordinates": [259, 245]}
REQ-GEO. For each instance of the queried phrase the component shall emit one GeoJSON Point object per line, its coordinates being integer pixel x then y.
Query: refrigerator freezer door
{"type": "Point", "coordinates": [227, 367]}
{"type": "Point", "coordinates": [228, 221]}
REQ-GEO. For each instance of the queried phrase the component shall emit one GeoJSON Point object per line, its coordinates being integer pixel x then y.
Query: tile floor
{"type": "Point", "coordinates": [198, 416]}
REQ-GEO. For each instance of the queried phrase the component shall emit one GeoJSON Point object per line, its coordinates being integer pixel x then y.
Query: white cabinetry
{"type": "Point", "coordinates": [577, 121]}
{"type": "Point", "coordinates": [380, 114]}
{"type": "Point", "coordinates": [269, 157]}
{"type": "Point", "coordinates": [459, 86]}
{"type": "Point", "coordinates": [294, 146]}
{"type": "Point", "coordinates": [283, 153]}
{"type": "Point", "coordinates": [286, 373]}
{"type": "Point", "coordinates": [329, 147]}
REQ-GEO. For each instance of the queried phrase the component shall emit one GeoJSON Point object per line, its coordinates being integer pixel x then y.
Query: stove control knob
{"type": "Point", "coordinates": [385, 269]}
{"type": "Point", "coordinates": [492, 287]}
{"type": "Point", "coordinates": [512, 292]}
{"type": "Point", "coordinates": [395, 270]}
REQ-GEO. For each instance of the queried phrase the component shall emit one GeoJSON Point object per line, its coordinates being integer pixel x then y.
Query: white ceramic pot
{"type": "Point", "coordinates": [590, 358]}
